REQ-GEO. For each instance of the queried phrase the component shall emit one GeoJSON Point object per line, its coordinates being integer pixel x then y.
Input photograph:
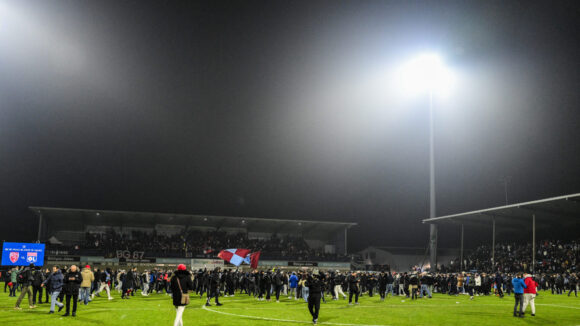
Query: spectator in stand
{"type": "Point", "coordinates": [192, 242]}
{"type": "Point", "coordinates": [551, 257]}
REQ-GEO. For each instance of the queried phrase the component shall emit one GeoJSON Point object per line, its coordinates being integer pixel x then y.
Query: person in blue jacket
{"type": "Point", "coordinates": [519, 286]}
{"type": "Point", "coordinates": [293, 286]}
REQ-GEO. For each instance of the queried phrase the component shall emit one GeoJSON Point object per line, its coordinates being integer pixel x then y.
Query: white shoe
{"type": "Point", "coordinates": [111, 298]}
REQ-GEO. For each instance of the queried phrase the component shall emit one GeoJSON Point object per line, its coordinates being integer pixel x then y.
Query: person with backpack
{"type": "Point", "coordinates": [25, 278]}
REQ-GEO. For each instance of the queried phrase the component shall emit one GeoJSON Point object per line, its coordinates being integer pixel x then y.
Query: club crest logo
{"type": "Point", "coordinates": [14, 255]}
{"type": "Point", "coordinates": [31, 257]}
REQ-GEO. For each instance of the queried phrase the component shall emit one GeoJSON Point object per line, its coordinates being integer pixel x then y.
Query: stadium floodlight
{"type": "Point", "coordinates": [426, 73]}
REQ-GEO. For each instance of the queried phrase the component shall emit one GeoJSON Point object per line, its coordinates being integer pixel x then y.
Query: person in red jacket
{"type": "Point", "coordinates": [530, 293]}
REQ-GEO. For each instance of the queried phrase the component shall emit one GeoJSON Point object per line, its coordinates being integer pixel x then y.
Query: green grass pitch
{"type": "Point", "coordinates": [242, 310]}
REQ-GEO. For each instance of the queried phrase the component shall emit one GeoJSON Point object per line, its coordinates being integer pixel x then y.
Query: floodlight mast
{"type": "Point", "coordinates": [427, 74]}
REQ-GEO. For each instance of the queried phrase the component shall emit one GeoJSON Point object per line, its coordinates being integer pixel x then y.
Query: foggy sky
{"type": "Point", "coordinates": [284, 109]}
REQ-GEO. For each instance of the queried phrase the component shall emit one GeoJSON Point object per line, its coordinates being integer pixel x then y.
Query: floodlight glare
{"type": "Point", "coordinates": [426, 74]}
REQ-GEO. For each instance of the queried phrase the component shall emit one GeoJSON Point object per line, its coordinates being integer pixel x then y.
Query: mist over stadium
{"type": "Point", "coordinates": [363, 147]}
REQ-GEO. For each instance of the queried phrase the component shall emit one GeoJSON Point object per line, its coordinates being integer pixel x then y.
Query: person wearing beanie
{"type": "Point", "coordinates": [88, 279]}
{"type": "Point", "coordinates": [181, 283]}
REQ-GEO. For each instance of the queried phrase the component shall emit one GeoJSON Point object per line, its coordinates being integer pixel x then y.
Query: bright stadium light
{"type": "Point", "coordinates": [426, 73]}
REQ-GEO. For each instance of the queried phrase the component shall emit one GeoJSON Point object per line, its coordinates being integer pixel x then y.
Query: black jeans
{"type": "Point", "coordinates": [519, 300]}
{"type": "Point", "coordinates": [277, 288]}
{"type": "Point", "coordinates": [499, 291]}
{"type": "Point", "coordinates": [382, 291]}
{"type": "Point", "coordinates": [314, 305]}
{"type": "Point", "coordinates": [213, 293]}
{"type": "Point", "coordinates": [75, 298]}
{"type": "Point", "coordinates": [35, 290]}
{"type": "Point", "coordinates": [350, 294]}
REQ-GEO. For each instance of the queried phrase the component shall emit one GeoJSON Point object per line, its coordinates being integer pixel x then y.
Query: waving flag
{"type": "Point", "coordinates": [234, 256]}
{"type": "Point", "coordinates": [252, 259]}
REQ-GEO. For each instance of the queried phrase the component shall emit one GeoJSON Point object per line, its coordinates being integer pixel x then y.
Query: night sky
{"type": "Point", "coordinates": [284, 109]}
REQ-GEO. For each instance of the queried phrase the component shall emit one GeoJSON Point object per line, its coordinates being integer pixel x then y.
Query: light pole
{"type": "Point", "coordinates": [432, 198]}
{"type": "Point", "coordinates": [427, 74]}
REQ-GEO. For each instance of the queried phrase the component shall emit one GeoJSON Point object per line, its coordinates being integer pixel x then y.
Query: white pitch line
{"type": "Point", "coordinates": [282, 320]}
{"type": "Point", "coordinates": [556, 305]}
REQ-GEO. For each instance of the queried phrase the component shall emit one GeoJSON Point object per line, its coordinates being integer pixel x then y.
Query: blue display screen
{"type": "Point", "coordinates": [22, 254]}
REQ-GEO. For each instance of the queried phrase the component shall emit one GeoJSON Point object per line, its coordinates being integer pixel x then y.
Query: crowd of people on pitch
{"type": "Point", "coordinates": [197, 243]}
{"type": "Point", "coordinates": [71, 285]}
{"type": "Point", "coordinates": [68, 285]}
{"type": "Point", "coordinates": [551, 257]}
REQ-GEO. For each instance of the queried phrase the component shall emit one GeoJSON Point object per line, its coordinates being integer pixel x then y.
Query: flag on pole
{"type": "Point", "coordinates": [234, 256]}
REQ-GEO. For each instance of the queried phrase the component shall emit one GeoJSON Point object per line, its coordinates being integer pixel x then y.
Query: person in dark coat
{"type": "Point", "coordinates": [353, 287]}
{"type": "Point", "coordinates": [181, 283]}
{"type": "Point", "coordinates": [72, 285]}
{"type": "Point", "coordinates": [499, 284]}
{"type": "Point", "coordinates": [213, 291]}
{"type": "Point", "coordinates": [315, 284]}
{"type": "Point", "coordinates": [53, 283]}
{"type": "Point", "coordinates": [277, 281]}
{"type": "Point", "coordinates": [25, 279]}
{"type": "Point", "coordinates": [39, 277]}
{"type": "Point", "coordinates": [128, 284]}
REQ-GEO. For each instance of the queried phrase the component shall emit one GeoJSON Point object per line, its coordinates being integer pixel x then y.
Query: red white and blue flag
{"type": "Point", "coordinates": [234, 256]}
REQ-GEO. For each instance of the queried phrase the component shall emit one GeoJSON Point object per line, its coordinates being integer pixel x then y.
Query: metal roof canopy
{"type": "Point", "coordinates": [564, 209]}
{"type": "Point", "coordinates": [544, 212]}
{"type": "Point", "coordinates": [71, 217]}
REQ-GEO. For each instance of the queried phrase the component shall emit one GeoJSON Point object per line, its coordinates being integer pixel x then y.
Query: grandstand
{"type": "Point", "coordinates": [105, 237]}
{"type": "Point", "coordinates": [555, 217]}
